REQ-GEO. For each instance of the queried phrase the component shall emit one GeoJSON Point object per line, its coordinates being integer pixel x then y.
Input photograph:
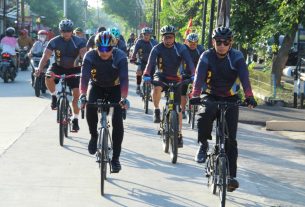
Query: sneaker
{"type": "Point", "coordinates": [180, 141]}
{"type": "Point", "coordinates": [54, 103]}
{"type": "Point", "coordinates": [201, 154]}
{"type": "Point", "coordinates": [157, 116]}
{"type": "Point", "coordinates": [232, 184]}
{"type": "Point", "coordinates": [115, 166]}
{"type": "Point", "coordinates": [92, 145]}
{"type": "Point", "coordinates": [183, 115]}
{"type": "Point", "coordinates": [75, 126]}
{"type": "Point", "coordinates": [138, 91]}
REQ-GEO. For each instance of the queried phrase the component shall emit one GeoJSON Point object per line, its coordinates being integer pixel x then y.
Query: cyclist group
{"type": "Point", "coordinates": [216, 74]}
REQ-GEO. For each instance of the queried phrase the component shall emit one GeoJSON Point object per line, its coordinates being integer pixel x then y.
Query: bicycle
{"type": "Point", "coordinates": [104, 144]}
{"type": "Point", "coordinates": [64, 111]}
{"type": "Point", "coordinates": [169, 125]}
{"type": "Point", "coordinates": [191, 109]}
{"type": "Point", "coordinates": [146, 95]}
{"type": "Point", "coordinates": [217, 164]}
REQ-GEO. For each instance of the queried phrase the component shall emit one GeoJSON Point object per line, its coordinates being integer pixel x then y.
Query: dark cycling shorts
{"type": "Point", "coordinates": [159, 80]}
{"type": "Point", "coordinates": [71, 82]}
{"type": "Point", "coordinates": [142, 66]}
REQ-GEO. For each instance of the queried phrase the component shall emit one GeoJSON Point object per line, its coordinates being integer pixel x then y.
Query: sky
{"type": "Point", "coordinates": [93, 3]}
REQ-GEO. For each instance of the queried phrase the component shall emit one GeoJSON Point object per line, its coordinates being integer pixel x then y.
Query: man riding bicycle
{"type": "Point", "coordinates": [195, 51]}
{"type": "Point", "coordinates": [167, 55]}
{"type": "Point", "coordinates": [219, 70]}
{"type": "Point", "coordinates": [67, 48]}
{"type": "Point", "coordinates": [106, 68]}
{"type": "Point", "coordinates": [143, 48]}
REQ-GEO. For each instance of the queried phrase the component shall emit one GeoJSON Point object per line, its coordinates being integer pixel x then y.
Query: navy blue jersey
{"type": "Point", "coordinates": [122, 45]}
{"type": "Point", "coordinates": [66, 51]}
{"type": "Point", "coordinates": [105, 73]}
{"type": "Point", "coordinates": [143, 48]}
{"type": "Point", "coordinates": [168, 60]}
{"type": "Point", "coordinates": [221, 76]}
{"type": "Point", "coordinates": [195, 54]}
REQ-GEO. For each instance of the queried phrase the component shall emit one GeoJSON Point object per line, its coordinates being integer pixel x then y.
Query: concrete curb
{"type": "Point", "coordinates": [275, 125]}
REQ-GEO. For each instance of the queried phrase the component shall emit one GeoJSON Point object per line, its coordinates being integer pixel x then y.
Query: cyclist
{"type": "Point", "coordinates": [130, 42]}
{"type": "Point", "coordinates": [9, 44]}
{"type": "Point", "coordinates": [119, 42]}
{"type": "Point", "coordinates": [66, 48]}
{"type": "Point", "coordinates": [91, 44]}
{"type": "Point", "coordinates": [106, 68]}
{"type": "Point", "coordinates": [195, 51]}
{"type": "Point", "coordinates": [143, 48]}
{"type": "Point", "coordinates": [80, 33]}
{"type": "Point", "coordinates": [167, 55]}
{"type": "Point", "coordinates": [219, 71]}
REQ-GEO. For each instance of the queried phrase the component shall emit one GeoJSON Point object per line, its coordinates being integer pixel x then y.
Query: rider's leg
{"type": "Point", "coordinates": [139, 79]}
{"type": "Point", "coordinates": [183, 100]}
{"type": "Point", "coordinates": [156, 96]}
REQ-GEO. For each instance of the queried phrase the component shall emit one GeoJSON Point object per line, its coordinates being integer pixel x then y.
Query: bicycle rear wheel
{"type": "Point", "coordinates": [222, 180]}
{"type": "Point", "coordinates": [173, 136]}
{"type": "Point", "coordinates": [103, 158]}
{"type": "Point", "coordinates": [62, 119]}
{"type": "Point", "coordinates": [37, 86]}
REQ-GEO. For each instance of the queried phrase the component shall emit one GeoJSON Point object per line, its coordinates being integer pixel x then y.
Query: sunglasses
{"type": "Point", "coordinates": [64, 31]}
{"type": "Point", "coordinates": [225, 42]}
{"type": "Point", "coordinates": [104, 48]}
{"type": "Point", "coordinates": [169, 36]}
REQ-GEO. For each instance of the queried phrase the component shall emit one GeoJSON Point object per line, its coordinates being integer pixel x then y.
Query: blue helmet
{"type": "Point", "coordinates": [104, 39]}
{"type": "Point", "coordinates": [192, 37]}
{"type": "Point", "coordinates": [116, 32]}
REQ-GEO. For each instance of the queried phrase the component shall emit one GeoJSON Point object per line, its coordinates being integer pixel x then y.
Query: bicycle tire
{"type": "Point", "coordinates": [37, 84]}
{"type": "Point", "coordinates": [173, 138]}
{"type": "Point", "coordinates": [146, 98]}
{"type": "Point", "coordinates": [189, 111]}
{"type": "Point", "coordinates": [194, 108]}
{"type": "Point", "coordinates": [68, 120]}
{"type": "Point", "coordinates": [165, 132]}
{"type": "Point", "coordinates": [103, 159]}
{"type": "Point", "coordinates": [222, 180]}
{"type": "Point", "coordinates": [62, 111]}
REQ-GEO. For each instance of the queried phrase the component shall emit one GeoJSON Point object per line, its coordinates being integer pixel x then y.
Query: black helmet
{"type": "Point", "coordinates": [66, 25]}
{"type": "Point", "coordinates": [222, 33]}
{"type": "Point", "coordinates": [10, 31]}
{"type": "Point", "coordinates": [192, 37]}
{"type": "Point", "coordinates": [167, 29]}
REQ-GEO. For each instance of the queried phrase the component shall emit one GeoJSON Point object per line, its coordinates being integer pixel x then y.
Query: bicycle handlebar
{"type": "Point", "coordinates": [63, 76]}
{"type": "Point", "coordinates": [175, 85]}
{"type": "Point", "coordinates": [201, 101]}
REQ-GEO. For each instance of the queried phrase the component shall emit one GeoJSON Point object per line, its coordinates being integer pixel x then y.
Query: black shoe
{"type": "Point", "coordinates": [75, 126]}
{"type": "Point", "coordinates": [183, 115]}
{"type": "Point", "coordinates": [201, 154]}
{"type": "Point", "coordinates": [180, 141]}
{"type": "Point", "coordinates": [54, 103]}
{"type": "Point", "coordinates": [92, 145]}
{"type": "Point", "coordinates": [232, 184]}
{"type": "Point", "coordinates": [115, 166]}
{"type": "Point", "coordinates": [138, 91]}
{"type": "Point", "coordinates": [157, 116]}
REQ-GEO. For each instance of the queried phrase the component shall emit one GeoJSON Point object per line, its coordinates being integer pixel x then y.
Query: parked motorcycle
{"type": "Point", "coordinates": [38, 83]}
{"type": "Point", "coordinates": [7, 68]}
{"type": "Point", "coordinates": [24, 60]}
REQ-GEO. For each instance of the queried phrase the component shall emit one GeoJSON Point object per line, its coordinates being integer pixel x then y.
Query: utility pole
{"type": "Point", "coordinates": [154, 18]}
{"type": "Point", "coordinates": [22, 14]}
{"type": "Point", "coordinates": [204, 19]}
{"type": "Point", "coordinates": [4, 15]}
{"type": "Point", "coordinates": [98, 11]}
{"type": "Point", "coordinates": [17, 16]}
{"type": "Point", "coordinates": [211, 23]}
{"type": "Point", "coordinates": [85, 21]}
{"type": "Point", "coordinates": [65, 8]}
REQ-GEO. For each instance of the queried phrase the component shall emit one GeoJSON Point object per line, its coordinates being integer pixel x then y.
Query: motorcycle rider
{"type": "Point", "coordinates": [24, 40]}
{"type": "Point", "coordinates": [9, 44]}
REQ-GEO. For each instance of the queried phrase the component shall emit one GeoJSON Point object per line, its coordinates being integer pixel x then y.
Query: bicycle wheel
{"type": "Point", "coordinates": [194, 109]}
{"type": "Point", "coordinates": [103, 158]}
{"type": "Point", "coordinates": [37, 84]}
{"type": "Point", "coordinates": [68, 120]}
{"type": "Point", "coordinates": [173, 135]}
{"type": "Point", "coordinates": [164, 132]}
{"type": "Point", "coordinates": [222, 180]}
{"type": "Point", "coordinates": [62, 119]}
{"type": "Point", "coordinates": [146, 98]}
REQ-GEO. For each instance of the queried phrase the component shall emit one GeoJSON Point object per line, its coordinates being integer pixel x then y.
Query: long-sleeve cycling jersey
{"type": "Point", "coordinates": [168, 60]}
{"type": "Point", "coordinates": [105, 73]}
{"type": "Point", "coordinates": [143, 48]}
{"type": "Point", "coordinates": [221, 76]}
{"type": "Point", "coordinates": [122, 45]}
{"type": "Point", "coordinates": [195, 55]}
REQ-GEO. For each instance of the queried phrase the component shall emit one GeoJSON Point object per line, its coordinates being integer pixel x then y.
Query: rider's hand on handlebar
{"type": "Point", "coordinates": [125, 104]}
{"type": "Point", "coordinates": [82, 100]}
{"type": "Point", "coordinates": [146, 78]}
{"type": "Point", "coordinates": [38, 72]}
{"type": "Point", "coordinates": [250, 102]}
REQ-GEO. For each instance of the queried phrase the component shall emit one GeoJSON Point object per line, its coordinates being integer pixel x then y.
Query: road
{"type": "Point", "coordinates": [36, 171]}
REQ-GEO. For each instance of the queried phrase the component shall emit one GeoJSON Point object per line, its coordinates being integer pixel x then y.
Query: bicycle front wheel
{"type": "Point", "coordinates": [68, 119]}
{"type": "Point", "coordinates": [173, 135]}
{"type": "Point", "coordinates": [103, 158]}
{"type": "Point", "coordinates": [164, 132]}
{"type": "Point", "coordinates": [193, 112]}
{"type": "Point", "coordinates": [146, 98]}
{"type": "Point", "coordinates": [37, 86]}
{"type": "Point", "coordinates": [62, 120]}
{"type": "Point", "coordinates": [222, 180]}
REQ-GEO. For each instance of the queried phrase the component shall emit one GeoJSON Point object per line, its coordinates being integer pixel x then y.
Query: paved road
{"type": "Point", "coordinates": [36, 171]}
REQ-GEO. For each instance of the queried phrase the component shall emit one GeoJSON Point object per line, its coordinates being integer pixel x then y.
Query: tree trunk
{"type": "Point", "coordinates": [279, 60]}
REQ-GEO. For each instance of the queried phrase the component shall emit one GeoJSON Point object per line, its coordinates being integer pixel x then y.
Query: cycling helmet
{"type": "Point", "coordinates": [66, 25]}
{"type": "Point", "coordinates": [42, 35]}
{"type": "Point", "coordinates": [192, 37]}
{"type": "Point", "coordinates": [222, 33]}
{"type": "Point", "coordinates": [42, 32]}
{"type": "Point", "coordinates": [146, 30]}
{"type": "Point", "coordinates": [167, 29]}
{"type": "Point", "coordinates": [105, 39]}
{"type": "Point", "coordinates": [10, 31]}
{"type": "Point", "coordinates": [132, 34]}
{"type": "Point", "coordinates": [116, 32]}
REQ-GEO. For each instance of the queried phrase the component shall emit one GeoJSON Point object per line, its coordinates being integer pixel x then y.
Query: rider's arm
{"type": "Point", "coordinates": [200, 75]}
{"type": "Point", "coordinates": [44, 60]}
{"type": "Point", "coordinates": [123, 75]}
{"type": "Point", "coordinates": [151, 64]}
{"type": "Point", "coordinates": [243, 74]}
{"type": "Point", "coordinates": [135, 51]}
{"type": "Point", "coordinates": [82, 52]}
{"type": "Point", "coordinates": [85, 74]}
